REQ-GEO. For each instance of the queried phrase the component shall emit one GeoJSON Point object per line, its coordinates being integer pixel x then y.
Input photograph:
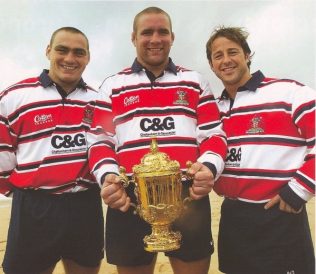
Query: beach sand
{"type": "Point", "coordinates": [162, 266]}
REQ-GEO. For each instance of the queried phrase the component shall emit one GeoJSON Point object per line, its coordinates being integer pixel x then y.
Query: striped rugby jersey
{"type": "Point", "coordinates": [45, 135]}
{"type": "Point", "coordinates": [177, 108]}
{"type": "Point", "coordinates": [270, 128]}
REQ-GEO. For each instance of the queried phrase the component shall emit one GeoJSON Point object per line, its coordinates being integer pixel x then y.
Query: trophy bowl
{"type": "Point", "coordinates": [158, 189]}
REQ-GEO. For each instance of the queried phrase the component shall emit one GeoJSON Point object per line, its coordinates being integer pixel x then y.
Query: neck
{"type": "Point", "coordinates": [233, 88]}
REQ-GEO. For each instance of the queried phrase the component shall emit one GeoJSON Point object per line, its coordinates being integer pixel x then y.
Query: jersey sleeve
{"type": "Point", "coordinates": [101, 139]}
{"type": "Point", "coordinates": [210, 134]}
{"type": "Point", "coordinates": [7, 149]}
{"type": "Point", "coordinates": [301, 187]}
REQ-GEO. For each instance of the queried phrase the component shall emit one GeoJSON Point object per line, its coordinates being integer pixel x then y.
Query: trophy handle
{"type": "Point", "coordinates": [124, 179]}
{"type": "Point", "coordinates": [185, 177]}
{"type": "Point", "coordinates": [125, 183]}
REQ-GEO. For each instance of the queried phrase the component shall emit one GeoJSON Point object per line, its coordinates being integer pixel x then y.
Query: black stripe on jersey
{"type": "Point", "coordinates": [266, 139]}
{"type": "Point", "coordinates": [102, 105]}
{"type": "Point", "coordinates": [41, 104]}
{"type": "Point", "coordinates": [46, 162]}
{"type": "Point", "coordinates": [106, 143]}
{"type": "Point", "coordinates": [210, 126]}
{"type": "Point", "coordinates": [48, 133]}
{"type": "Point", "coordinates": [5, 174]}
{"type": "Point", "coordinates": [307, 182]}
{"type": "Point", "coordinates": [20, 86]}
{"type": "Point", "coordinates": [260, 173]}
{"type": "Point", "coordinates": [280, 81]}
{"type": "Point", "coordinates": [3, 120]}
{"type": "Point", "coordinates": [306, 107]}
{"type": "Point", "coordinates": [309, 156]}
{"type": "Point", "coordinates": [35, 105]}
{"type": "Point", "coordinates": [146, 85]}
{"type": "Point", "coordinates": [262, 107]}
{"type": "Point", "coordinates": [146, 143]}
{"type": "Point", "coordinates": [105, 162]}
{"type": "Point", "coordinates": [207, 99]}
{"type": "Point", "coordinates": [155, 111]}
{"type": "Point", "coordinates": [6, 148]}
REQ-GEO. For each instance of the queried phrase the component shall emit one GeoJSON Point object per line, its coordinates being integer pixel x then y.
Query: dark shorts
{"type": "Point", "coordinates": [253, 240]}
{"type": "Point", "coordinates": [45, 228]}
{"type": "Point", "coordinates": [125, 232]}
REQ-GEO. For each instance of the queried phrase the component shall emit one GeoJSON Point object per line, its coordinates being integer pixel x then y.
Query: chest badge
{"type": "Point", "coordinates": [88, 114]}
{"type": "Point", "coordinates": [256, 126]}
{"type": "Point", "coordinates": [181, 98]}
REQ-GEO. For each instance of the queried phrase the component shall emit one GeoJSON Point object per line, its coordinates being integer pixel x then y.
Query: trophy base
{"type": "Point", "coordinates": [161, 242]}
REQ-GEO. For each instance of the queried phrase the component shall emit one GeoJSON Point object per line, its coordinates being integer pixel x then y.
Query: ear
{"type": "Point", "coordinates": [211, 65]}
{"type": "Point", "coordinates": [133, 38]}
{"type": "Point", "coordinates": [247, 56]}
{"type": "Point", "coordinates": [172, 37]}
{"type": "Point", "coordinates": [48, 49]}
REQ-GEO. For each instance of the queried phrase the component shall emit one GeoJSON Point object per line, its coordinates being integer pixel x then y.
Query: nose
{"type": "Point", "coordinates": [156, 37]}
{"type": "Point", "coordinates": [226, 58]}
{"type": "Point", "coordinates": [69, 57]}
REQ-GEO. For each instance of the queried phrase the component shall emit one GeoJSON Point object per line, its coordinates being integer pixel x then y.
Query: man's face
{"type": "Point", "coordinates": [153, 40]}
{"type": "Point", "coordinates": [229, 62]}
{"type": "Point", "coordinates": [69, 56]}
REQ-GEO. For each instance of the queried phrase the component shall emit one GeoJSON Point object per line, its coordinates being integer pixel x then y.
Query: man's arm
{"type": "Point", "coordinates": [212, 142]}
{"type": "Point", "coordinates": [7, 150]}
{"type": "Point", "coordinates": [301, 188]}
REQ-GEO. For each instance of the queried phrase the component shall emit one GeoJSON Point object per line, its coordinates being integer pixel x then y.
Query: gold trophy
{"type": "Point", "coordinates": [158, 190]}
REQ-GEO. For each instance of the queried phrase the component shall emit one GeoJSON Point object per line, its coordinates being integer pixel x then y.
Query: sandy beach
{"type": "Point", "coordinates": [162, 265]}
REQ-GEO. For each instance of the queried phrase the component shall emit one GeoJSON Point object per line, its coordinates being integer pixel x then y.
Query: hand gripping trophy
{"type": "Point", "coordinates": [158, 188]}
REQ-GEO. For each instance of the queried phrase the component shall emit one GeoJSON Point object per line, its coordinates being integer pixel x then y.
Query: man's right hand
{"type": "Point", "coordinates": [113, 193]}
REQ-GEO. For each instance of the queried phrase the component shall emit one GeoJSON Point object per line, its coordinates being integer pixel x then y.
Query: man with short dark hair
{"type": "Point", "coordinates": [154, 97]}
{"type": "Point", "coordinates": [56, 207]}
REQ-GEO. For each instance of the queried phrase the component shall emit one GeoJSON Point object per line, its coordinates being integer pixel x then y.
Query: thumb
{"type": "Point", "coordinates": [274, 201]}
{"type": "Point", "coordinates": [195, 168]}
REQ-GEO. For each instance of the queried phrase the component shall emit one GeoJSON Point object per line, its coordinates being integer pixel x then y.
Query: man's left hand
{"type": "Point", "coordinates": [282, 205]}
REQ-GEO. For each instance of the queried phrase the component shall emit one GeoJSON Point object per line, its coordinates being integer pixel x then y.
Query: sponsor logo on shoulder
{"type": "Point", "coordinates": [43, 119]}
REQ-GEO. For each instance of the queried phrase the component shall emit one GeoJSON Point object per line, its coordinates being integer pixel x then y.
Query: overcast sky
{"type": "Point", "coordinates": [282, 35]}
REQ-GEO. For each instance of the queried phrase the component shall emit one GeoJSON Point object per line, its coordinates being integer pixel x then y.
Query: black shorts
{"type": "Point", "coordinates": [253, 240]}
{"type": "Point", "coordinates": [45, 228]}
{"type": "Point", "coordinates": [125, 232]}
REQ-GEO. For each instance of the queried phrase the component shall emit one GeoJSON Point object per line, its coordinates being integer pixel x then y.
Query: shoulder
{"type": "Point", "coordinates": [23, 84]}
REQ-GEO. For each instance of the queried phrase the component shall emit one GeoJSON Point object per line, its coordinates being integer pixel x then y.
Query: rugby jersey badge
{"type": "Point", "coordinates": [256, 126]}
{"type": "Point", "coordinates": [181, 98]}
{"type": "Point", "coordinates": [88, 114]}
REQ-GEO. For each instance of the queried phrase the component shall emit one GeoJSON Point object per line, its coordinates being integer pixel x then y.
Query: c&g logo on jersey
{"type": "Point", "coordinates": [157, 124]}
{"type": "Point", "coordinates": [233, 158]}
{"type": "Point", "coordinates": [157, 127]}
{"type": "Point", "coordinates": [68, 143]}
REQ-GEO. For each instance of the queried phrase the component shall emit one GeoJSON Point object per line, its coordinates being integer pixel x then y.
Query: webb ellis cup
{"type": "Point", "coordinates": [158, 187]}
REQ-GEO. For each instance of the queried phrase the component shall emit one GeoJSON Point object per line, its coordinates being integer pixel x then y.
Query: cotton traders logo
{"type": "Point", "coordinates": [131, 100]}
{"type": "Point", "coordinates": [43, 119]}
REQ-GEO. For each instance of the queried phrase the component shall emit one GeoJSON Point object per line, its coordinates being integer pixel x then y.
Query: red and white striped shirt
{"type": "Point", "coordinates": [44, 136]}
{"type": "Point", "coordinates": [177, 108]}
{"type": "Point", "coordinates": [270, 128]}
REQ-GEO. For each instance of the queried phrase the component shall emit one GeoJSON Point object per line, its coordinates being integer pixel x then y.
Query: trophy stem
{"type": "Point", "coordinates": [162, 239]}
